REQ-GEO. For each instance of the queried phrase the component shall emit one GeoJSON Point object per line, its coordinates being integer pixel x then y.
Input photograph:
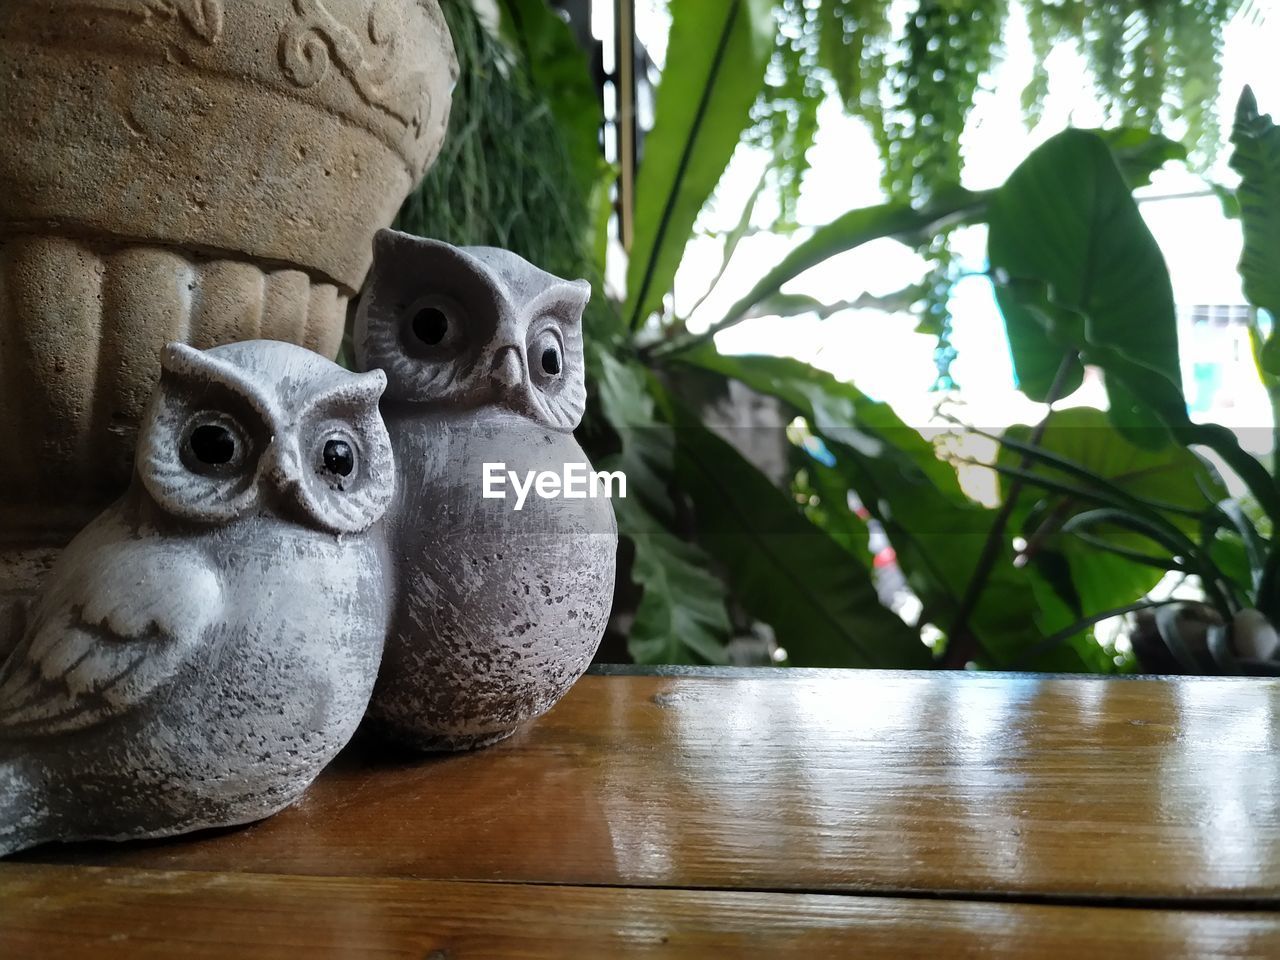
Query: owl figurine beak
{"type": "Point", "coordinates": [508, 366]}
{"type": "Point", "coordinates": [283, 470]}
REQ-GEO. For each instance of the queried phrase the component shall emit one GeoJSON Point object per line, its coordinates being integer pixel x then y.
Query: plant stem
{"type": "Point", "coordinates": [1062, 636]}
{"type": "Point", "coordinates": [901, 221]}
{"type": "Point", "coordinates": [962, 643]}
{"type": "Point", "coordinates": [1267, 596]}
{"type": "Point", "coordinates": [1273, 394]}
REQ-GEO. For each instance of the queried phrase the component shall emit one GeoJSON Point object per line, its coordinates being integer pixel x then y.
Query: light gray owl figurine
{"type": "Point", "coordinates": [501, 602]}
{"type": "Point", "coordinates": [206, 645]}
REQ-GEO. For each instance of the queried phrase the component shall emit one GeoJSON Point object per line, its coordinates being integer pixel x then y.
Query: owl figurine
{"type": "Point", "coordinates": [501, 600]}
{"type": "Point", "coordinates": [207, 644]}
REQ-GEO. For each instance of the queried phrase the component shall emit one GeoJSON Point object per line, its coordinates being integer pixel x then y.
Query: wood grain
{"type": "Point", "coordinates": [859, 782]}
{"type": "Point", "coordinates": [73, 912]}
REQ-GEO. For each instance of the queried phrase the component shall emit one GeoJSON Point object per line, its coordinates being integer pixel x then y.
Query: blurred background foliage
{"type": "Point", "coordinates": [520, 142]}
{"type": "Point", "coordinates": [914, 80]}
{"type": "Point", "coordinates": [759, 544]}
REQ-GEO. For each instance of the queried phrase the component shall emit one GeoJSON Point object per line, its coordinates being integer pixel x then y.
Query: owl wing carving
{"type": "Point", "coordinates": [113, 630]}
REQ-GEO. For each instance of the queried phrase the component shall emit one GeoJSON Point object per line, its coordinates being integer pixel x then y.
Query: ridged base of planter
{"type": "Point", "coordinates": [81, 325]}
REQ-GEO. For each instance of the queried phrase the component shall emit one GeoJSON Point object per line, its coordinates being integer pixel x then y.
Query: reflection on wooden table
{"type": "Point", "coordinates": [1022, 816]}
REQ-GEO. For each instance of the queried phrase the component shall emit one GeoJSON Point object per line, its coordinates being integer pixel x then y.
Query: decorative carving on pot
{"type": "Point", "coordinates": [206, 645]}
{"type": "Point", "coordinates": [502, 596]}
{"type": "Point", "coordinates": [203, 171]}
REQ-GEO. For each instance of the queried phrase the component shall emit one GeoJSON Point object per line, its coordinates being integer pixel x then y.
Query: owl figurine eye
{"type": "Point", "coordinates": [339, 458]}
{"type": "Point", "coordinates": [215, 443]}
{"type": "Point", "coordinates": [546, 356]}
{"type": "Point", "coordinates": [348, 477]}
{"type": "Point", "coordinates": [431, 325]}
{"type": "Point", "coordinates": [435, 327]}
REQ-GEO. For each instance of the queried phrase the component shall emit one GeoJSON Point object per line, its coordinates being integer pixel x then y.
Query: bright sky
{"type": "Point", "coordinates": [879, 352]}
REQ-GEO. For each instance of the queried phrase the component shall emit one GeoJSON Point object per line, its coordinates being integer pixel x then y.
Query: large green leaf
{"type": "Point", "coordinates": [824, 495]}
{"type": "Point", "coordinates": [936, 531]}
{"type": "Point", "coordinates": [839, 411]}
{"type": "Point", "coordinates": [1172, 479]}
{"type": "Point", "coordinates": [1170, 476]}
{"type": "Point", "coordinates": [786, 571]}
{"type": "Point", "coordinates": [1065, 218]}
{"type": "Point", "coordinates": [853, 229]}
{"type": "Point", "coordinates": [681, 617]}
{"type": "Point", "coordinates": [1139, 153]}
{"type": "Point", "coordinates": [716, 56]}
{"type": "Point", "coordinates": [647, 446]}
{"type": "Point", "coordinates": [733, 238]}
{"type": "Point", "coordinates": [1067, 330]}
{"type": "Point", "coordinates": [1257, 159]}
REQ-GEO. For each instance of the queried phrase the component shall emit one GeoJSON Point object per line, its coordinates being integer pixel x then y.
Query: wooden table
{"type": "Point", "coordinates": [748, 813]}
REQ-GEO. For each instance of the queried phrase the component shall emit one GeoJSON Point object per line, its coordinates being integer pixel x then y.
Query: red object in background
{"type": "Point", "coordinates": [885, 558]}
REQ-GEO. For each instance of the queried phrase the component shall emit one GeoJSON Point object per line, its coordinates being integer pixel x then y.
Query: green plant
{"type": "Point", "coordinates": [711, 538]}
{"type": "Point", "coordinates": [914, 78]}
{"type": "Point", "coordinates": [1165, 511]}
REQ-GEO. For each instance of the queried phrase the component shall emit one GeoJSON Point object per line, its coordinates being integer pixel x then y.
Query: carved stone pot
{"type": "Point", "coordinates": [197, 170]}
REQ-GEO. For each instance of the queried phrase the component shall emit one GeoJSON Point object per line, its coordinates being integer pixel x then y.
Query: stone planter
{"type": "Point", "coordinates": [197, 170]}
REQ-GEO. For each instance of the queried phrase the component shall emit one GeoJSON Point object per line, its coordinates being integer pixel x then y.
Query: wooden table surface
{"type": "Point", "coordinates": [787, 813]}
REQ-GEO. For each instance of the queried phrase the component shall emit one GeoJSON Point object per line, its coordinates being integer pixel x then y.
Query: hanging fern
{"type": "Point", "coordinates": [914, 87]}
{"type": "Point", "coordinates": [1154, 62]}
{"type": "Point", "coordinates": [948, 47]}
{"type": "Point", "coordinates": [854, 40]}
{"type": "Point", "coordinates": [786, 115]}
{"type": "Point", "coordinates": [915, 90]}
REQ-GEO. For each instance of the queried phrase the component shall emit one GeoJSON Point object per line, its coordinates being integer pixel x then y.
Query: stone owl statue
{"type": "Point", "coordinates": [501, 599]}
{"type": "Point", "coordinates": [207, 644]}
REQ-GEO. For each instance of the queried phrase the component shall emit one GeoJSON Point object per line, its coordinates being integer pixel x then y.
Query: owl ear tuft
{"type": "Point", "coordinates": [376, 381]}
{"type": "Point", "coordinates": [387, 240]}
{"type": "Point", "coordinates": [581, 288]}
{"type": "Point", "coordinates": [195, 370]}
{"type": "Point", "coordinates": [182, 362]}
{"type": "Point", "coordinates": [389, 244]}
{"type": "Point", "coordinates": [368, 387]}
{"type": "Point", "coordinates": [567, 300]}
{"type": "Point", "coordinates": [355, 392]}
{"type": "Point", "coordinates": [180, 358]}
